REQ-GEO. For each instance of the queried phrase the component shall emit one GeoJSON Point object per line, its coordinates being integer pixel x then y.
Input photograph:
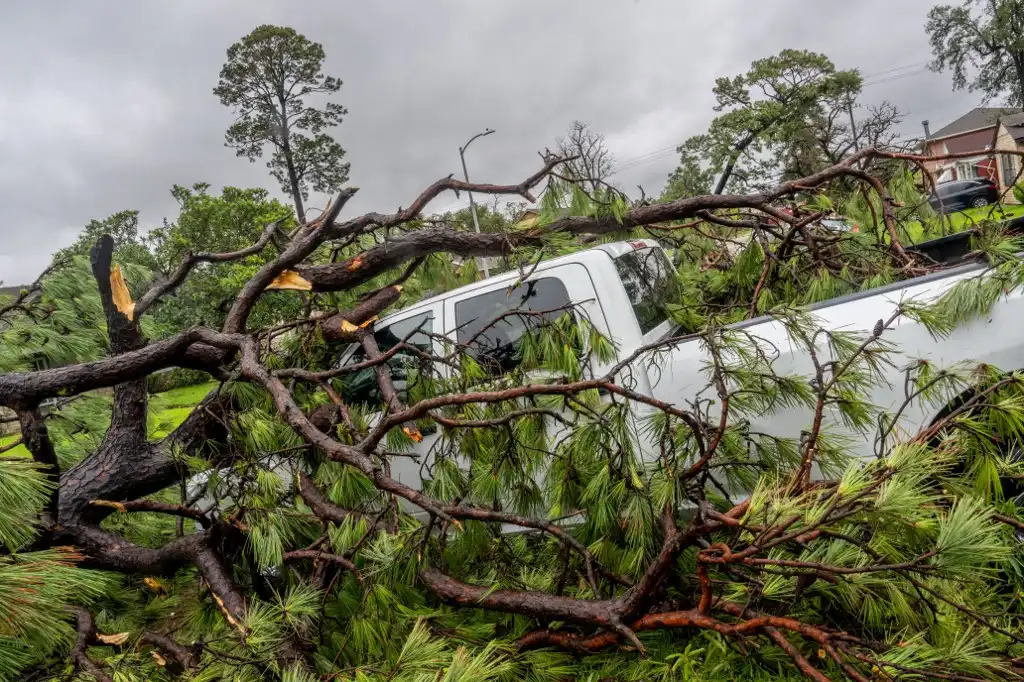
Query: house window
{"type": "Point", "coordinates": [966, 171]}
{"type": "Point", "coordinates": [1008, 168]}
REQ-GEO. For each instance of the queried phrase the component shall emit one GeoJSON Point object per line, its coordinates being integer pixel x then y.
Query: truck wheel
{"type": "Point", "coordinates": [979, 202]}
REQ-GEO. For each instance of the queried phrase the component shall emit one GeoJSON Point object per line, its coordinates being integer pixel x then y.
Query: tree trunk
{"type": "Point", "coordinates": [289, 160]}
{"type": "Point", "coordinates": [1018, 64]}
{"type": "Point", "coordinates": [738, 150]}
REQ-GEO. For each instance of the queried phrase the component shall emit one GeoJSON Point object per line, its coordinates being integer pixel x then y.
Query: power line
{"type": "Point", "coordinates": [895, 77]}
{"type": "Point", "coordinates": [665, 152]}
{"type": "Point", "coordinates": [868, 76]}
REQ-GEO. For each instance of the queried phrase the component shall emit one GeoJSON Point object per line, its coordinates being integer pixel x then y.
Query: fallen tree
{"type": "Point", "coordinates": [891, 569]}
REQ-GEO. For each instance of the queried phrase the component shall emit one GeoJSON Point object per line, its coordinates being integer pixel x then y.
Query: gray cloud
{"type": "Point", "coordinates": [105, 105]}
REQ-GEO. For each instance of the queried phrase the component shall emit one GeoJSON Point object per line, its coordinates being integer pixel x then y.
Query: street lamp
{"type": "Point", "coordinates": [472, 204]}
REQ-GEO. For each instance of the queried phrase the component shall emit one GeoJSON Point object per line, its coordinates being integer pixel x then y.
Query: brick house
{"type": "Point", "coordinates": [982, 130]}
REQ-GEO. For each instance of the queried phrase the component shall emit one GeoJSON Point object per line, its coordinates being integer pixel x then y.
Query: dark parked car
{"type": "Point", "coordinates": [960, 194]}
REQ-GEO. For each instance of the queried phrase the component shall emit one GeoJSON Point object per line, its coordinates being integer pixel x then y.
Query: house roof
{"type": "Point", "coordinates": [980, 118]}
{"type": "Point", "coordinates": [1014, 124]}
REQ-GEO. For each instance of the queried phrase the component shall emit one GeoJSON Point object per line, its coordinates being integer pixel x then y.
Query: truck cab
{"type": "Point", "coordinates": [621, 289]}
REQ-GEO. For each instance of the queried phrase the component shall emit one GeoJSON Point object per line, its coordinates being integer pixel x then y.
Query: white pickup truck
{"type": "Point", "coordinates": [617, 287]}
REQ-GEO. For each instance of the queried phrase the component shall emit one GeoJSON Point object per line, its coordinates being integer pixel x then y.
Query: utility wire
{"type": "Point", "coordinates": [666, 152]}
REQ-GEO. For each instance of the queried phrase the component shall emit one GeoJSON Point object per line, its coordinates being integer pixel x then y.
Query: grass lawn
{"type": "Point", "coordinates": [181, 397]}
{"type": "Point", "coordinates": [19, 451]}
{"type": "Point", "coordinates": [167, 410]}
{"type": "Point", "coordinates": [171, 408]}
{"type": "Point", "coordinates": [960, 221]}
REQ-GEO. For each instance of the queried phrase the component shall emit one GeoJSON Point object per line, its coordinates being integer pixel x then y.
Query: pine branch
{"type": "Point", "coordinates": [86, 636]}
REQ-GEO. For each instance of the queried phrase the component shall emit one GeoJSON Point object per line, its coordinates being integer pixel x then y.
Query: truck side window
{"type": "Point", "coordinates": [493, 339]}
{"type": "Point", "coordinates": [361, 387]}
{"type": "Point", "coordinates": [649, 283]}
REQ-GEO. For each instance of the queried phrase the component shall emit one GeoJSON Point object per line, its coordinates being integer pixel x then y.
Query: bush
{"type": "Point", "coordinates": [1018, 193]}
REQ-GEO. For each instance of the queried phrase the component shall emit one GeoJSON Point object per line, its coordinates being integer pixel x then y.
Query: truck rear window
{"type": "Point", "coordinates": [649, 283]}
{"type": "Point", "coordinates": [492, 334]}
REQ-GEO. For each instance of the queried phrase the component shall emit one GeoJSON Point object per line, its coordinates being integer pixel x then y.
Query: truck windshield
{"type": "Point", "coordinates": [647, 277]}
{"type": "Point", "coordinates": [361, 387]}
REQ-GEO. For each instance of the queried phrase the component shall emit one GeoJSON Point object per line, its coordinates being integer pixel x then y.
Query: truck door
{"type": "Point", "coordinates": [485, 323]}
{"type": "Point", "coordinates": [360, 388]}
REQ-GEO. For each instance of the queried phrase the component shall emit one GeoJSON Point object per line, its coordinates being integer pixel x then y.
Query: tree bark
{"type": "Point", "coordinates": [289, 160]}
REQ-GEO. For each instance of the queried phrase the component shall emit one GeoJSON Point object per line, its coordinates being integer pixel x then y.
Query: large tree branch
{"type": "Point", "coordinates": [145, 471]}
{"type": "Point", "coordinates": [406, 247]}
{"type": "Point", "coordinates": [416, 243]}
{"type": "Point", "coordinates": [402, 216]}
{"type": "Point", "coordinates": [191, 260]}
{"type": "Point", "coordinates": [29, 388]}
{"type": "Point", "coordinates": [527, 602]}
{"type": "Point", "coordinates": [106, 551]}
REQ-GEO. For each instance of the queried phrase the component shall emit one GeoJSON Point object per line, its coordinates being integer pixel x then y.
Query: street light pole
{"type": "Point", "coordinates": [472, 204]}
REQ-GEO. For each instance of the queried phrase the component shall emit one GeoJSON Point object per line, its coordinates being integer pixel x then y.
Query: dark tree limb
{"type": "Point", "coordinates": [191, 260]}
{"type": "Point", "coordinates": [178, 658]}
{"type": "Point", "coordinates": [407, 247]}
{"type": "Point", "coordinates": [344, 326]}
{"type": "Point", "coordinates": [37, 441]}
{"type": "Point", "coordinates": [316, 555]}
{"type": "Point", "coordinates": [157, 508]}
{"type": "Point", "coordinates": [322, 508]}
{"type": "Point", "coordinates": [29, 388]}
{"type": "Point", "coordinates": [86, 628]}
{"type": "Point", "coordinates": [106, 551]}
{"type": "Point", "coordinates": [527, 602]}
{"type": "Point", "coordinates": [147, 471]}
{"type": "Point", "coordinates": [378, 220]}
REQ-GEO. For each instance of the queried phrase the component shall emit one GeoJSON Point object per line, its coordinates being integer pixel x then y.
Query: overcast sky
{"type": "Point", "coordinates": [105, 105]}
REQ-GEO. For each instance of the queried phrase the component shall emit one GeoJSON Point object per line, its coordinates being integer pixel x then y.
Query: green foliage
{"type": "Point", "coordinates": [67, 324]}
{"type": "Point", "coordinates": [34, 589]}
{"type": "Point", "coordinates": [123, 226]}
{"type": "Point", "coordinates": [980, 42]}
{"type": "Point", "coordinates": [762, 112]}
{"type": "Point", "coordinates": [269, 79]}
{"type": "Point", "coordinates": [23, 493]}
{"type": "Point", "coordinates": [229, 222]}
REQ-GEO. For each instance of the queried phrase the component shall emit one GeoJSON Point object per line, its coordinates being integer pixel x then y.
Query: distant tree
{"type": "Point", "coordinates": [217, 224]}
{"type": "Point", "coordinates": [268, 79]}
{"type": "Point", "coordinates": [982, 43]}
{"type": "Point", "coordinates": [762, 110]}
{"type": "Point", "coordinates": [829, 138]}
{"type": "Point", "coordinates": [592, 162]}
{"type": "Point", "coordinates": [123, 226]}
{"type": "Point", "coordinates": [491, 219]}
